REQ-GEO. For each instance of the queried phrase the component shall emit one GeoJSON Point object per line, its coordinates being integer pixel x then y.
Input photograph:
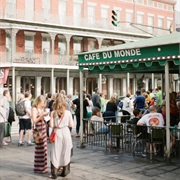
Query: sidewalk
{"type": "Point", "coordinates": [87, 164]}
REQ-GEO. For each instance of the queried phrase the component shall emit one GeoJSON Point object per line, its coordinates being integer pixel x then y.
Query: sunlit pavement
{"type": "Point", "coordinates": [87, 164]}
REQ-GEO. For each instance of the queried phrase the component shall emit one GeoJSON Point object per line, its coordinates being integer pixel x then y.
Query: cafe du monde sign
{"type": "Point", "coordinates": [111, 55]}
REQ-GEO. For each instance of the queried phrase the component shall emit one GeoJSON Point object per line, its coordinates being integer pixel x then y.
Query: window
{"type": "Point", "coordinates": [160, 5]}
{"type": "Point", "coordinates": [11, 8]}
{"type": "Point", "coordinates": [129, 18]}
{"type": "Point", "coordinates": [46, 9]}
{"type": "Point", "coordinates": [62, 47]}
{"type": "Point", "coordinates": [29, 45]}
{"type": "Point", "coordinates": [104, 15]}
{"type": "Point", "coordinates": [91, 44]}
{"type": "Point", "coordinates": [150, 3]}
{"type": "Point", "coordinates": [170, 7]}
{"type": "Point", "coordinates": [29, 10]}
{"type": "Point", "coordinates": [91, 15]}
{"type": "Point", "coordinates": [126, 0]}
{"type": "Point", "coordinates": [169, 23]}
{"type": "Point", "coordinates": [77, 45]}
{"type": "Point", "coordinates": [105, 43]}
{"type": "Point", "coordinates": [150, 23]}
{"type": "Point", "coordinates": [140, 18]}
{"type": "Point", "coordinates": [160, 22]}
{"type": "Point", "coordinates": [140, 1]}
{"type": "Point", "coordinates": [77, 13]}
{"type": "Point", "coordinates": [62, 12]}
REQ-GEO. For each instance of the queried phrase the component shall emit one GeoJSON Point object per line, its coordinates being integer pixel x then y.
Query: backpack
{"type": "Point", "coordinates": [20, 108]}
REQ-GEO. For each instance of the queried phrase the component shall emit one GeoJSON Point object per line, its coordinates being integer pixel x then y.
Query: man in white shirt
{"type": "Point", "coordinates": [2, 120]}
{"type": "Point", "coordinates": [25, 121]}
{"type": "Point", "coordinates": [151, 119]}
{"type": "Point", "coordinates": [5, 100]}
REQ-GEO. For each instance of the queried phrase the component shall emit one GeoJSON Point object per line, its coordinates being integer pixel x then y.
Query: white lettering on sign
{"type": "Point", "coordinates": [93, 56]}
{"type": "Point", "coordinates": [127, 52]}
{"type": "Point", "coordinates": [107, 55]}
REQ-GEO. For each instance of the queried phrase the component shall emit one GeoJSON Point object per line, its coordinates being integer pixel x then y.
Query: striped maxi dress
{"type": "Point", "coordinates": [40, 156]}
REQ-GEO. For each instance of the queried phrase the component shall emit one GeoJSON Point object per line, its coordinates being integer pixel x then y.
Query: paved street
{"type": "Point", "coordinates": [87, 164]}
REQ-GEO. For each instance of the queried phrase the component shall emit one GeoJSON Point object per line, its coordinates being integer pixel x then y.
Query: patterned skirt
{"type": "Point", "coordinates": [40, 156]}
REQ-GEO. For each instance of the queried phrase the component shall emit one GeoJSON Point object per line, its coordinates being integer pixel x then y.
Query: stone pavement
{"type": "Point", "coordinates": [87, 164]}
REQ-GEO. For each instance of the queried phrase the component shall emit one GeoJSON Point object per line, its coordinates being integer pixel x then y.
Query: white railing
{"type": "Point", "coordinates": [69, 21]}
{"type": "Point", "coordinates": [5, 57]}
{"type": "Point", "coordinates": [41, 59]}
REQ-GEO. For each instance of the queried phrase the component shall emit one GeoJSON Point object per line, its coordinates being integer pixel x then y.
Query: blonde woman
{"type": "Point", "coordinates": [61, 120]}
{"type": "Point", "coordinates": [38, 114]}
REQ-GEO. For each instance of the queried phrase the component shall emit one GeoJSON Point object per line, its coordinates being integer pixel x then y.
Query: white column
{"type": "Point", "coordinates": [134, 86]}
{"type": "Point", "coordinates": [81, 109]}
{"type": "Point", "coordinates": [110, 87]}
{"type": "Point", "coordinates": [13, 43]}
{"type": "Point", "coordinates": [152, 80]}
{"type": "Point", "coordinates": [124, 90]}
{"type": "Point", "coordinates": [68, 37]}
{"type": "Point", "coordinates": [37, 86]}
{"type": "Point", "coordinates": [128, 83]}
{"type": "Point", "coordinates": [67, 80]}
{"type": "Point", "coordinates": [155, 83]}
{"type": "Point", "coordinates": [147, 84]}
{"type": "Point", "coordinates": [52, 88]}
{"type": "Point", "coordinates": [13, 86]}
{"type": "Point", "coordinates": [100, 82]}
{"type": "Point", "coordinates": [18, 86]}
{"type": "Point", "coordinates": [100, 42]}
{"type": "Point", "coordinates": [71, 85]}
{"type": "Point", "coordinates": [53, 35]}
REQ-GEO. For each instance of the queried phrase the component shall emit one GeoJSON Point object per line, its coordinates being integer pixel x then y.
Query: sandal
{"type": "Point", "coordinates": [60, 171]}
{"type": "Point", "coordinates": [77, 135]}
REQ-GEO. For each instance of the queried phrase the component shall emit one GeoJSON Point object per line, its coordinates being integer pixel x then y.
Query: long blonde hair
{"type": "Point", "coordinates": [39, 100]}
{"type": "Point", "coordinates": [60, 104]}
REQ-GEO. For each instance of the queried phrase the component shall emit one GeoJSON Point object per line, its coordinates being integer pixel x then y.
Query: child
{"type": "Point", "coordinates": [153, 101]}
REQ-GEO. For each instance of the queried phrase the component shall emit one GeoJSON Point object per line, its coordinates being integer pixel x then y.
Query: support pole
{"type": "Point", "coordinates": [81, 109]}
{"type": "Point", "coordinates": [167, 110]}
{"type": "Point", "coordinates": [13, 86]}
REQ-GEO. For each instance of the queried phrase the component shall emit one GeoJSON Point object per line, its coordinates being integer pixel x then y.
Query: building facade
{"type": "Point", "coordinates": [40, 40]}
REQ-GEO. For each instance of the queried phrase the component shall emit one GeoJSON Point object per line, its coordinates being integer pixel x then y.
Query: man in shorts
{"type": "Point", "coordinates": [25, 121]}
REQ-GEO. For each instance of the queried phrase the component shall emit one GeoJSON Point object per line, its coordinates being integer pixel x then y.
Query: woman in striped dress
{"type": "Point", "coordinates": [38, 113]}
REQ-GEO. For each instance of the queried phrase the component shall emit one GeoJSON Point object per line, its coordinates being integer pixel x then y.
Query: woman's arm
{"type": "Point", "coordinates": [71, 122]}
{"type": "Point", "coordinates": [35, 117]}
{"type": "Point", "coordinates": [51, 123]}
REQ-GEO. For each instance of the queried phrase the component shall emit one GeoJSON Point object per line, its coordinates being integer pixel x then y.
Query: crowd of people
{"type": "Point", "coordinates": [58, 111]}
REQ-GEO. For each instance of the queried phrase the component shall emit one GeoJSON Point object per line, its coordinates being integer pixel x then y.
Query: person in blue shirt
{"type": "Point", "coordinates": [139, 102]}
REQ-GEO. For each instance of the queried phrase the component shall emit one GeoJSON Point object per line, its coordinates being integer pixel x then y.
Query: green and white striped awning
{"type": "Point", "coordinates": [136, 57]}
